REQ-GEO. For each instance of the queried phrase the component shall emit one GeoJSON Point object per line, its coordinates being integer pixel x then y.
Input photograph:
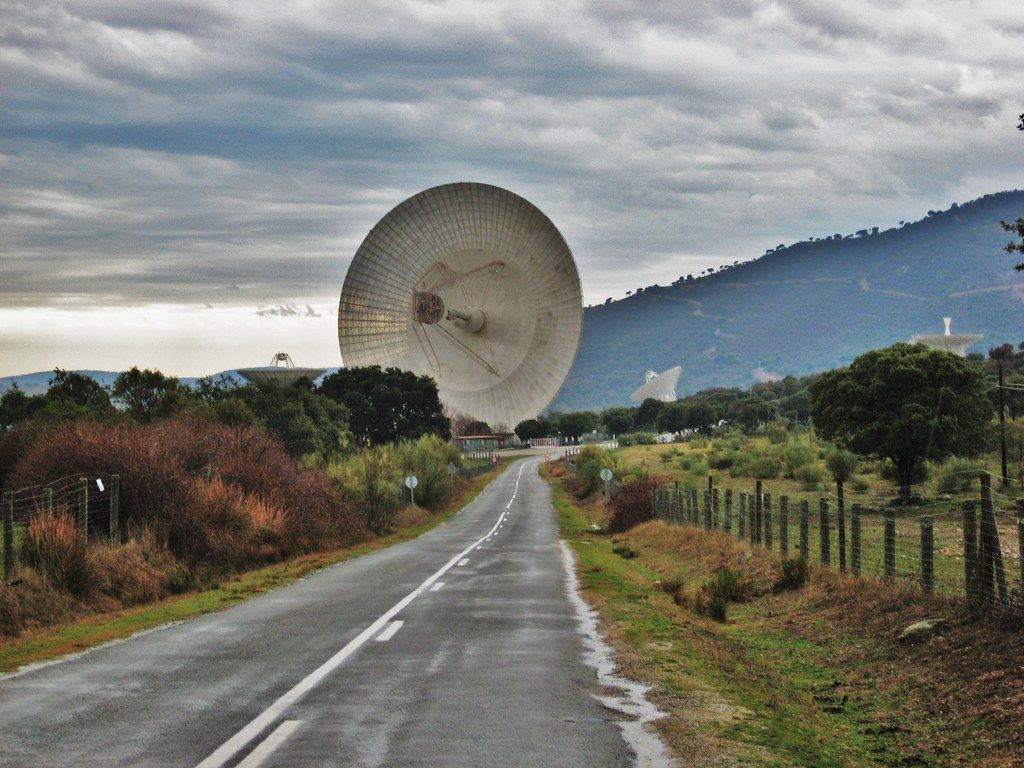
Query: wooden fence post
{"type": "Point", "coordinates": [927, 554]}
{"type": "Point", "coordinates": [693, 506]}
{"type": "Point", "coordinates": [805, 529]}
{"type": "Point", "coordinates": [728, 510]}
{"type": "Point", "coordinates": [758, 512]}
{"type": "Point", "coordinates": [889, 546]}
{"type": "Point", "coordinates": [8, 534]}
{"type": "Point", "coordinates": [741, 527]}
{"type": "Point", "coordinates": [993, 576]}
{"type": "Point", "coordinates": [83, 506]}
{"type": "Point", "coordinates": [48, 499]}
{"type": "Point", "coordinates": [707, 510]}
{"type": "Point", "coordinates": [752, 519]}
{"type": "Point", "coordinates": [970, 550]}
{"type": "Point", "coordinates": [716, 520]}
{"type": "Point", "coordinates": [825, 537]}
{"type": "Point", "coordinates": [766, 505]}
{"type": "Point", "coordinates": [841, 524]}
{"type": "Point", "coordinates": [784, 526]}
{"type": "Point", "coordinates": [855, 540]}
{"type": "Point", "coordinates": [115, 506]}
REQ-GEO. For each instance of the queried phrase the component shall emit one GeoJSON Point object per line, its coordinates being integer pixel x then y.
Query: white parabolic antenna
{"type": "Point", "coordinates": [659, 386]}
{"type": "Point", "coordinates": [281, 372]}
{"type": "Point", "coordinates": [472, 285]}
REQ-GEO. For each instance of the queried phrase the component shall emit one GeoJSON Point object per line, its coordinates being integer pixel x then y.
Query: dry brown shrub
{"type": "Point", "coordinates": [32, 601]}
{"type": "Point", "coordinates": [54, 548]}
{"type": "Point", "coordinates": [631, 506]}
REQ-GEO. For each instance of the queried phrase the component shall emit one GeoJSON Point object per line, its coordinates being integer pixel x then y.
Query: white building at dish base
{"type": "Point", "coordinates": [659, 386]}
{"type": "Point", "coordinates": [956, 343]}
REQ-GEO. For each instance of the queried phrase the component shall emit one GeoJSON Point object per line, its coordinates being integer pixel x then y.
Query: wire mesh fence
{"type": "Point", "coordinates": [966, 546]}
{"type": "Point", "coordinates": [93, 502]}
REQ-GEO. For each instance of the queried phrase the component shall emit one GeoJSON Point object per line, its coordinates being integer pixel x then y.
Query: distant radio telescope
{"type": "Point", "coordinates": [281, 372]}
{"type": "Point", "coordinates": [474, 286]}
{"type": "Point", "coordinates": [950, 342]}
{"type": "Point", "coordinates": [659, 386]}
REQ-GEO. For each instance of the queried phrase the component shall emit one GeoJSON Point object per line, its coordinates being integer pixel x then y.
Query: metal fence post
{"type": "Point", "coordinates": [855, 540]}
{"type": "Point", "coordinates": [83, 506]}
{"type": "Point", "coordinates": [727, 523]}
{"type": "Point", "coordinates": [805, 529]}
{"type": "Point", "coordinates": [784, 526]}
{"type": "Point", "coordinates": [826, 537]}
{"type": "Point", "coordinates": [927, 554]}
{"type": "Point", "coordinates": [766, 505]}
{"type": "Point", "coordinates": [8, 534]}
{"type": "Point", "coordinates": [115, 506]}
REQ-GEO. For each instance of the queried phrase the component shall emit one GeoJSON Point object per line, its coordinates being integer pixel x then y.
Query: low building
{"type": "Point", "coordinates": [469, 443]}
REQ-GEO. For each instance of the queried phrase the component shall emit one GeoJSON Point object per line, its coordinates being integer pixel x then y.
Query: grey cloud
{"type": "Point", "coordinates": [154, 150]}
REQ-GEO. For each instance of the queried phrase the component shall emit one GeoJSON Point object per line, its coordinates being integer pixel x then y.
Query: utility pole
{"type": "Point", "coordinates": [1002, 426]}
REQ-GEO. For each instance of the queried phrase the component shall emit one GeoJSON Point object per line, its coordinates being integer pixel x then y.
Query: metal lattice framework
{"type": "Point", "coordinates": [474, 286]}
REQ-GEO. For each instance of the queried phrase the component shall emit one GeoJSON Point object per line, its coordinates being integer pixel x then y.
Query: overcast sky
{"type": "Point", "coordinates": [183, 184]}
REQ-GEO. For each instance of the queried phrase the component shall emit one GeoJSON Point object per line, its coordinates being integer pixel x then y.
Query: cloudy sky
{"type": "Point", "coordinates": [183, 183]}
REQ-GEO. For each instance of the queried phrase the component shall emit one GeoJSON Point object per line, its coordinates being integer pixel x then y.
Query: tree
{"type": "Point", "coordinates": [618, 421]}
{"type": "Point", "coordinates": [148, 395]}
{"type": "Point", "coordinates": [576, 423]}
{"type": "Point", "coordinates": [387, 405]}
{"type": "Point", "coordinates": [906, 403]}
{"type": "Point", "coordinates": [1016, 245]}
{"type": "Point", "coordinates": [697, 414]}
{"type": "Point", "coordinates": [647, 413]}
{"type": "Point", "coordinates": [532, 428]}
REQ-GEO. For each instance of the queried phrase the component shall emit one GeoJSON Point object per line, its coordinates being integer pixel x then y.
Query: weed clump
{"type": "Point", "coordinates": [55, 549]}
{"type": "Point", "coordinates": [632, 504]}
{"type": "Point", "coordinates": [794, 575]}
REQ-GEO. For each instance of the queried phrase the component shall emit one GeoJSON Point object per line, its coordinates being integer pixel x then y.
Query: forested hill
{"type": "Point", "coordinates": [808, 307]}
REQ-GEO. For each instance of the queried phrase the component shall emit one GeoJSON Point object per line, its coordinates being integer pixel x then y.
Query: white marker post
{"type": "Point", "coordinates": [411, 482]}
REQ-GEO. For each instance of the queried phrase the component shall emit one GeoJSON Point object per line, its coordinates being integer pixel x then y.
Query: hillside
{"type": "Point", "coordinates": [808, 307]}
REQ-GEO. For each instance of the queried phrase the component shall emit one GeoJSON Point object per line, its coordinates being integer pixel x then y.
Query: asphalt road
{"type": "Point", "coordinates": [459, 648]}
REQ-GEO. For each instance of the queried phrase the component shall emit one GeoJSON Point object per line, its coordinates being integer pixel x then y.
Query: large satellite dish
{"type": "Point", "coordinates": [474, 286]}
{"type": "Point", "coordinates": [660, 386]}
{"type": "Point", "coordinates": [281, 372]}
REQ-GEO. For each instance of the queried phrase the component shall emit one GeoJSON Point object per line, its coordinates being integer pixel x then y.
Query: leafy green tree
{"type": "Point", "coordinates": [387, 405]}
{"type": "Point", "coordinates": [575, 423]}
{"type": "Point", "coordinates": [841, 464]}
{"type": "Point", "coordinates": [16, 407]}
{"type": "Point", "coordinates": [618, 421]}
{"type": "Point", "coordinates": [647, 413]}
{"type": "Point", "coordinates": [149, 395]}
{"type": "Point", "coordinates": [533, 428]}
{"type": "Point", "coordinates": [695, 414]}
{"type": "Point", "coordinates": [906, 403]}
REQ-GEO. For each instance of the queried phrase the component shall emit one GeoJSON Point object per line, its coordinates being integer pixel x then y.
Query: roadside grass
{"type": "Point", "coordinates": [810, 677]}
{"type": "Point", "coordinates": [42, 645]}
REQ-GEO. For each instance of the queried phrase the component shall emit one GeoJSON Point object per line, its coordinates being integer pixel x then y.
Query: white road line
{"type": "Point", "coordinates": [226, 751]}
{"type": "Point", "coordinates": [264, 749]}
{"type": "Point", "coordinates": [439, 584]}
{"type": "Point", "coordinates": [388, 633]}
{"type": "Point", "coordinates": [463, 561]}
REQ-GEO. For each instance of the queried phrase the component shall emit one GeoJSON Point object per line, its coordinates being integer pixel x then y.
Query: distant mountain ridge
{"type": "Point", "coordinates": [809, 307]}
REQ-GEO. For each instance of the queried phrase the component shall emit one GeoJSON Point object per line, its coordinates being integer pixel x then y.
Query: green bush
{"type": "Point", "coordinates": [428, 458]}
{"type": "Point", "coordinates": [859, 484]}
{"type": "Point", "coordinates": [372, 480]}
{"type": "Point", "coordinates": [841, 464]}
{"type": "Point", "coordinates": [777, 433]}
{"type": "Point", "coordinates": [764, 466]}
{"type": "Point", "coordinates": [810, 476]}
{"type": "Point", "coordinates": [587, 477]}
{"type": "Point", "coordinates": [795, 572]}
{"type": "Point", "coordinates": [795, 456]}
{"type": "Point", "coordinates": [638, 438]}
{"type": "Point", "coordinates": [694, 465]}
{"type": "Point", "coordinates": [721, 460]}
{"type": "Point", "coordinates": [957, 476]}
